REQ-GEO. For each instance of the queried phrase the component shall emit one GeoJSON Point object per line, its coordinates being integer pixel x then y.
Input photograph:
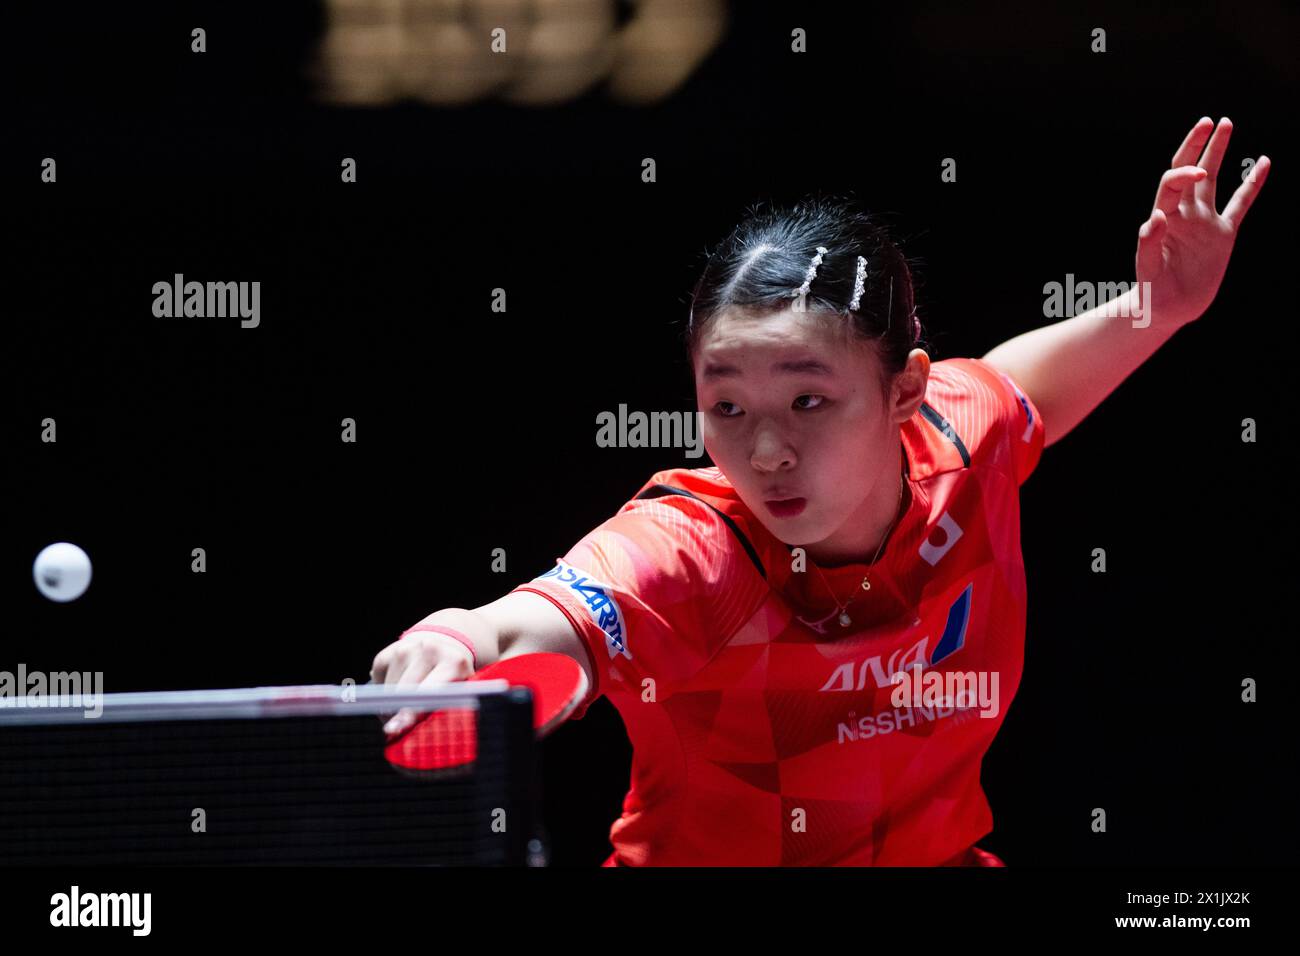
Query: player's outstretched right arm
{"type": "Point", "coordinates": [518, 623]}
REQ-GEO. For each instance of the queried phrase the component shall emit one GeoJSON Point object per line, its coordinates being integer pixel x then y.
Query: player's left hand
{"type": "Point", "coordinates": [1184, 246]}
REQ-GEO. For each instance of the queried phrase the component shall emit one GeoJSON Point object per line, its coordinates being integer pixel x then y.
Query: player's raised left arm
{"type": "Point", "coordinates": [1069, 368]}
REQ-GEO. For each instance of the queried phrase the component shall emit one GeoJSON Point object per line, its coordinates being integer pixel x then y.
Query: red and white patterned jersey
{"type": "Point", "coordinates": [763, 732]}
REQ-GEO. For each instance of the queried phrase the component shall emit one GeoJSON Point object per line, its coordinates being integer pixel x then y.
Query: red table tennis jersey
{"type": "Point", "coordinates": [763, 732]}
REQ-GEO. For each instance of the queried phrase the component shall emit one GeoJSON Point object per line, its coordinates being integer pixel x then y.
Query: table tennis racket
{"type": "Point", "coordinates": [445, 742]}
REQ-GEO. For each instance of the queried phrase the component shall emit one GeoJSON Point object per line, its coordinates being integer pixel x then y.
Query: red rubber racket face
{"type": "Point", "coordinates": [445, 742]}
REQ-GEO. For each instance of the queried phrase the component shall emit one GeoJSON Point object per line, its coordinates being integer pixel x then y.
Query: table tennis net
{"type": "Point", "coordinates": [262, 776]}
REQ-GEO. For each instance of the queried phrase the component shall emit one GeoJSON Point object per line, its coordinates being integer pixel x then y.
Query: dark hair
{"type": "Point", "coordinates": [763, 263]}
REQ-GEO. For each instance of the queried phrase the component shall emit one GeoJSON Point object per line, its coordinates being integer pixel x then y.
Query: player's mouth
{"type": "Point", "coordinates": [786, 507]}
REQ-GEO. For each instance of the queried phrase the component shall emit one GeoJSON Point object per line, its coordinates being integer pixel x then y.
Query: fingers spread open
{"type": "Point", "coordinates": [1186, 154]}
{"type": "Point", "coordinates": [1212, 159]}
{"type": "Point", "coordinates": [1241, 200]}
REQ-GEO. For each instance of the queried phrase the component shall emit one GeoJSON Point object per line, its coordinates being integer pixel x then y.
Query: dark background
{"type": "Point", "coordinates": [476, 429]}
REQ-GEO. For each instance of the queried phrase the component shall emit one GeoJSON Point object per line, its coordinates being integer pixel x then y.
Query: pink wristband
{"type": "Point", "coordinates": [450, 632]}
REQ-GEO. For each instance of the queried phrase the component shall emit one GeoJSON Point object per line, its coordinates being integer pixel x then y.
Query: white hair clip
{"type": "Point", "coordinates": [859, 283]}
{"type": "Point", "coordinates": [812, 273]}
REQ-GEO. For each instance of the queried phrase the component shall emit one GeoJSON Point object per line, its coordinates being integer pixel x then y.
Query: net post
{"type": "Point", "coordinates": [506, 738]}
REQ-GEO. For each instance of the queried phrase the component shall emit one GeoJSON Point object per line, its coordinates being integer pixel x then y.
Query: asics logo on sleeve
{"type": "Point", "coordinates": [1028, 434]}
{"type": "Point", "coordinates": [599, 601]}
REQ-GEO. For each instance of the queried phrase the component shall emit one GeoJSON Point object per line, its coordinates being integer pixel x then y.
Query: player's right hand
{"type": "Point", "coordinates": [421, 659]}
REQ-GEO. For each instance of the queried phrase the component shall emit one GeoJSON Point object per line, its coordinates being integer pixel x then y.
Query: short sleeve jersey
{"type": "Point", "coordinates": [764, 732]}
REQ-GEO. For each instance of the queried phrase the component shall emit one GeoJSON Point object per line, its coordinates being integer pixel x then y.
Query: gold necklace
{"type": "Point", "coordinates": [844, 618]}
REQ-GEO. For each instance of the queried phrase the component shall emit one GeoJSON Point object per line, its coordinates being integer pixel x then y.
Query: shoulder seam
{"type": "Point", "coordinates": [980, 382]}
{"type": "Point", "coordinates": [660, 490]}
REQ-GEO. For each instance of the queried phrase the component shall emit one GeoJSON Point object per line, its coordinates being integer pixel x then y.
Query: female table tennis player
{"type": "Point", "coordinates": [748, 620]}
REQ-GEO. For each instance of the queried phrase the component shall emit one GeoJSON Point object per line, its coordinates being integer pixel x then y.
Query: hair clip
{"type": "Point", "coordinates": [859, 283]}
{"type": "Point", "coordinates": [811, 274]}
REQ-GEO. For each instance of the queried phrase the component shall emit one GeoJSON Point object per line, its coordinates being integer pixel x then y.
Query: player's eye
{"type": "Point", "coordinates": [801, 403]}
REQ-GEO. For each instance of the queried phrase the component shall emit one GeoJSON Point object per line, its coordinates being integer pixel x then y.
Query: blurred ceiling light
{"type": "Point", "coordinates": [376, 52]}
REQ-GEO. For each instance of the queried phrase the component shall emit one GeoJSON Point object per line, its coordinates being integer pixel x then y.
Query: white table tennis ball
{"type": "Point", "coordinates": [62, 571]}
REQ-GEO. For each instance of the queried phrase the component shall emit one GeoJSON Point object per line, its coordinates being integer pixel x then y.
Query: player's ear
{"type": "Point", "coordinates": [908, 386]}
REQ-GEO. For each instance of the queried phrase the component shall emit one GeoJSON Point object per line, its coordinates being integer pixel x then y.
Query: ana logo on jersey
{"type": "Point", "coordinates": [599, 601]}
{"type": "Point", "coordinates": [852, 675]}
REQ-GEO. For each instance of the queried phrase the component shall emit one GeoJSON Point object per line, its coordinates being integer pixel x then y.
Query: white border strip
{"type": "Point", "coordinates": [311, 700]}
